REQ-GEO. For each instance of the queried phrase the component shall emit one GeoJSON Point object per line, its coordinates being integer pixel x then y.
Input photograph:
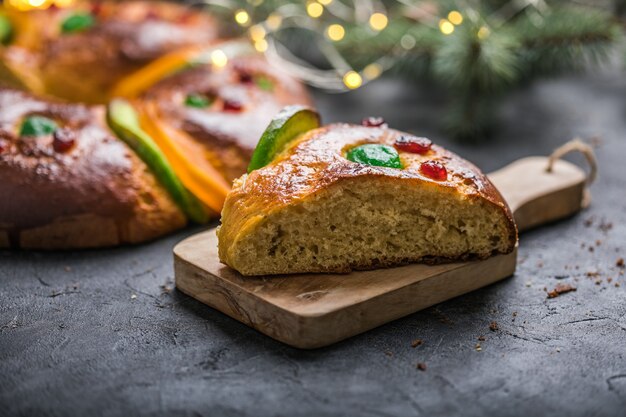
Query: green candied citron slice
{"type": "Point", "coordinates": [264, 83]}
{"type": "Point", "coordinates": [288, 124]}
{"type": "Point", "coordinates": [123, 120]}
{"type": "Point", "coordinates": [38, 126]}
{"type": "Point", "coordinates": [376, 155]}
{"type": "Point", "coordinates": [77, 22]}
{"type": "Point", "coordinates": [197, 100]}
{"type": "Point", "coordinates": [6, 29]}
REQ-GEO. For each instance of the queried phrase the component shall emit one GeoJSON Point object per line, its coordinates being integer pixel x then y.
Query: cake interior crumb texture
{"type": "Point", "coordinates": [364, 224]}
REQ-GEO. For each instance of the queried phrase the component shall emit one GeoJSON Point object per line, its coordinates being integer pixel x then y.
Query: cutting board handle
{"type": "Point", "coordinates": [541, 190]}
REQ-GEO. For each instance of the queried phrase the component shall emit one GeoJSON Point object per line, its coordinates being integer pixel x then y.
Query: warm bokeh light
{"type": "Point", "coordinates": [260, 45]}
{"type": "Point", "coordinates": [378, 21]}
{"type": "Point", "coordinates": [352, 80]}
{"type": "Point", "coordinates": [314, 9]}
{"type": "Point", "coordinates": [372, 71]}
{"type": "Point", "coordinates": [455, 17]}
{"type": "Point", "coordinates": [30, 4]}
{"type": "Point", "coordinates": [274, 21]}
{"type": "Point", "coordinates": [446, 27]}
{"type": "Point", "coordinates": [325, 2]}
{"type": "Point", "coordinates": [335, 32]}
{"type": "Point", "coordinates": [407, 41]}
{"type": "Point", "coordinates": [242, 17]}
{"type": "Point", "coordinates": [63, 3]}
{"type": "Point", "coordinates": [257, 32]}
{"type": "Point", "coordinates": [483, 32]}
{"type": "Point", "coordinates": [219, 58]}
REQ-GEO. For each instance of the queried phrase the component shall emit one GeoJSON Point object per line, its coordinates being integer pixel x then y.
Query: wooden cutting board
{"type": "Point", "coordinates": [315, 310]}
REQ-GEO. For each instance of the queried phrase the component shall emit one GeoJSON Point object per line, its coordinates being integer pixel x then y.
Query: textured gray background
{"type": "Point", "coordinates": [74, 340]}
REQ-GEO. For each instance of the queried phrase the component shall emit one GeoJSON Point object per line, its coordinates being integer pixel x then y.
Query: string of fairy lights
{"type": "Point", "coordinates": [328, 22]}
{"type": "Point", "coordinates": [332, 18]}
{"type": "Point", "coordinates": [313, 15]}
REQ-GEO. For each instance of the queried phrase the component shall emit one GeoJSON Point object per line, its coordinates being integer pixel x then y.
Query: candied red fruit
{"type": "Point", "coordinates": [96, 8]}
{"type": "Point", "coordinates": [245, 77]}
{"type": "Point", "coordinates": [4, 145]}
{"type": "Point", "coordinates": [374, 122]}
{"type": "Point", "coordinates": [413, 144]}
{"type": "Point", "coordinates": [232, 105]}
{"type": "Point", "coordinates": [63, 140]}
{"type": "Point", "coordinates": [434, 170]}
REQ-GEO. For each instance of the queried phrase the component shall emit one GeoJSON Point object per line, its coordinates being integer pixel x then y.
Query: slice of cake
{"type": "Point", "coordinates": [343, 197]}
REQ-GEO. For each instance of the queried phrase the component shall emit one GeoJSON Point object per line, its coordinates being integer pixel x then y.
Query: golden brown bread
{"type": "Point", "coordinates": [83, 66]}
{"type": "Point", "coordinates": [313, 210]}
{"type": "Point", "coordinates": [99, 193]}
{"type": "Point", "coordinates": [96, 193]}
{"type": "Point", "coordinates": [245, 94]}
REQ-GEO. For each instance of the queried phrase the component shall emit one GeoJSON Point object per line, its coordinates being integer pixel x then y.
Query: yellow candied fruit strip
{"type": "Point", "coordinates": [142, 79]}
{"type": "Point", "coordinates": [185, 155]}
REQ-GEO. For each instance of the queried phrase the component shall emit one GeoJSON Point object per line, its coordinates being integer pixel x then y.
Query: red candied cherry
{"type": "Point", "coordinates": [374, 122]}
{"type": "Point", "coordinates": [245, 77]}
{"type": "Point", "coordinates": [63, 140]}
{"type": "Point", "coordinates": [232, 105]}
{"type": "Point", "coordinates": [434, 170]}
{"type": "Point", "coordinates": [413, 144]}
{"type": "Point", "coordinates": [96, 8]}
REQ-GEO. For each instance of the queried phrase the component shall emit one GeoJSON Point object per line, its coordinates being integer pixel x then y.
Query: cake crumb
{"type": "Point", "coordinates": [561, 289]}
{"type": "Point", "coordinates": [416, 343]}
{"type": "Point", "coordinates": [478, 347]}
{"type": "Point", "coordinates": [605, 226]}
{"type": "Point", "coordinates": [421, 366]}
{"type": "Point", "coordinates": [493, 326]}
{"type": "Point", "coordinates": [133, 296]}
{"type": "Point", "coordinates": [481, 338]}
{"type": "Point", "coordinates": [620, 263]}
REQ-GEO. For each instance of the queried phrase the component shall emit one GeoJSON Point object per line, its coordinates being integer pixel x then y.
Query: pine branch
{"type": "Point", "coordinates": [483, 57]}
{"type": "Point", "coordinates": [568, 39]}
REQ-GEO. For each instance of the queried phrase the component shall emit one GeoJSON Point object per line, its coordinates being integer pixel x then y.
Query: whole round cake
{"type": "Point", "coordinates": [123, 121]}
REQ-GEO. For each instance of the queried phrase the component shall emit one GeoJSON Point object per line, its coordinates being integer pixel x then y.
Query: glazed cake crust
{"type": "Point", "coordinates": [315, 163]}
{"type": "Point", "coordinates": [83, 66]}
{"type": "Point", "coordinates": [229, 136]}
{"type": "Point", "coordinates": [97, 193]}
